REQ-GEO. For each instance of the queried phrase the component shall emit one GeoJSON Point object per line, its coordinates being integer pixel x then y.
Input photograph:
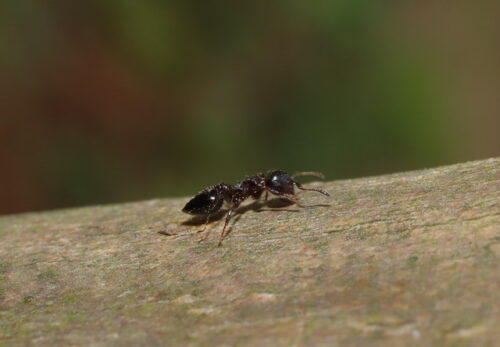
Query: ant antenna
{"type": "Point", "coordinates": [311, 189]}
{"type": "Point", "coordinates": [309, 174]}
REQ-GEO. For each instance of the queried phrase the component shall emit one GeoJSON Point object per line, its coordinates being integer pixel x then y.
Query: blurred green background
{"type": "Point", "coordinates": [116, 100]}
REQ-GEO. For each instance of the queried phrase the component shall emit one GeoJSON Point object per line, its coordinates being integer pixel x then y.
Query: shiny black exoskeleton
{"type": "Point", "coordinates": [210, 200]}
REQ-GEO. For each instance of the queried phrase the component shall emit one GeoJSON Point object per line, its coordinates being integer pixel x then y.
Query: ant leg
{"type": "Point", "coordinates": [205, 226]}
{"type": "Point", "coordinates": [223, 234]}
{"type": "Point", "coordinates": [311, 189]}
{"type": "Point", "coordinates": [309, 174]}
{"type": "Point", "coordinates": [292, 198]}
{"type": "Point", "coordinates": [202, 230]}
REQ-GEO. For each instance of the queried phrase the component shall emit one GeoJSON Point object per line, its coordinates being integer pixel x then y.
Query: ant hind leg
{"type": "Point", "coordinates": [203, 230]}
{"type": "Point", "coordinates": [224, 233]}
{"type": "Point", "coordinates": [205, 225]}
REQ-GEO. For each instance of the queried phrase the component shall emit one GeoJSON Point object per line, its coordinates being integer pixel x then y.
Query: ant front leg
{"type": "Point", "coordinates": [293, 199]}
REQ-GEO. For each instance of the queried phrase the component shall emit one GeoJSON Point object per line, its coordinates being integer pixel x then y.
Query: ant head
{"type": "Point", "coordinates": [207, 201]}
{"type": "Point", "coordinates": [280, 183]}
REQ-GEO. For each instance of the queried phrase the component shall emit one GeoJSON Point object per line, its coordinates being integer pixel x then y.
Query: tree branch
{"type": "Point", "coordinates": [405, 258]}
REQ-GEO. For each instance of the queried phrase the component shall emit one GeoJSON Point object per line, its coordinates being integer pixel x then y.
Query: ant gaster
{"type": "Point", "coordinates": [210, 200]}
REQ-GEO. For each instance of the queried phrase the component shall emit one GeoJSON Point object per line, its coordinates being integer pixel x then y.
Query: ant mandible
{"type": "Point", "coordinates": [210, 200]}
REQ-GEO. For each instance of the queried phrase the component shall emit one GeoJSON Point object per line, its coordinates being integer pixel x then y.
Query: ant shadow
{"type": "Point", "coordinates": [277, 205]}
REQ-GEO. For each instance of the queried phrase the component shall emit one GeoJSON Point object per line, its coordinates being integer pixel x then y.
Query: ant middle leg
{"type": "Point", "coordinates": [259, 203]}
{"type": "Point", "coordinates": [258, 195]}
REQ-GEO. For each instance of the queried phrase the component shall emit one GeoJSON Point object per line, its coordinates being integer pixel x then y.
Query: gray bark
{"type": "Point", "coordinates": [409, 258]}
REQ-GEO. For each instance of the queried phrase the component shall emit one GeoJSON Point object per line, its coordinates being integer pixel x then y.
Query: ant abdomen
{"type": "Point", "coordinates": [207, 201]}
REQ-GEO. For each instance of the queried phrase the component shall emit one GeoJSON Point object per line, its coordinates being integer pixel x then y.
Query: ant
{"type": "Point", "coordinates": [210, 200]}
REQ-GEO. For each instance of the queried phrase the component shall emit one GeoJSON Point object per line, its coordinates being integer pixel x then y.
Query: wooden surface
{"type": "Point", "coordinates": [410, 258]}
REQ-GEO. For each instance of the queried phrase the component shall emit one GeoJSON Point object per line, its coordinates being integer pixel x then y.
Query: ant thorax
{"type": "Point", "coordinates": [251, 186]}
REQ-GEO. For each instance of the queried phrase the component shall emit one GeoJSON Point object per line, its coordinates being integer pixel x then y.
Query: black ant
{"type": "Point", "coordinates": [210, 200]}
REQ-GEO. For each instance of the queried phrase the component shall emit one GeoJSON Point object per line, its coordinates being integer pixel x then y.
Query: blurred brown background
{"type": "Point", "coordinates": [108, 101]}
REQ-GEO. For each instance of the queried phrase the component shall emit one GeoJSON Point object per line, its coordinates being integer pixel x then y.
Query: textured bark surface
{"type": "Point", "coordinates": [406, 258]}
